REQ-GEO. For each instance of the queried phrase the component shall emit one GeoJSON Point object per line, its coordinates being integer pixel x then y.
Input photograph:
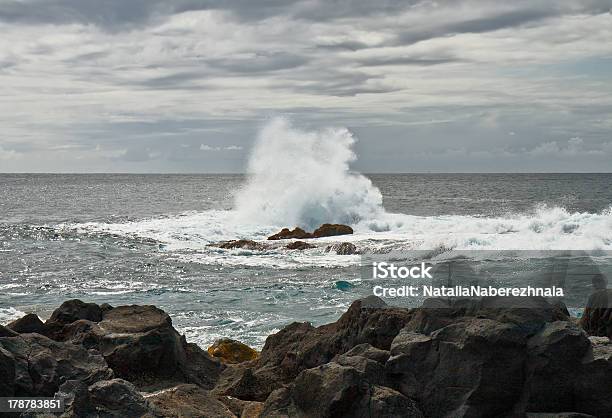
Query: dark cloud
{"type": "Point", "coordinates": [260, 62]}
{"type": "Point", "coordinates": [417, 61]}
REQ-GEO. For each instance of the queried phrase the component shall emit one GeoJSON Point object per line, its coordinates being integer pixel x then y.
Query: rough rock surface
{"type": "Point", "coordinates": [187, 401]}
{"type": "Point", "coordinates": [232, 351]}
{"type": "Point", "coordinates": [342, 248]}
{"type": "Point", "coordinates": [27, 324]}
{"type": "Point", "coordinates": [325, 230]}
{"type": "Point", "coordinates": [448, 358]}
{"type": "Point", "coordinates": [299, 245]}
{"type": "Point", "coordinates": [41, 364]}
{"type": "Point", "coordinates": [331, 230]}
{"type": "Point", "coordinates": [286, 233]}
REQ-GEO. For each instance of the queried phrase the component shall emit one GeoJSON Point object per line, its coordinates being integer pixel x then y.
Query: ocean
{"type": "Point", "coordinates": [144, 239]}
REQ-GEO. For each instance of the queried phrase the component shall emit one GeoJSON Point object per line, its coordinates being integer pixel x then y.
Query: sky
{"type": "Point", "coordinates": [425, 86]}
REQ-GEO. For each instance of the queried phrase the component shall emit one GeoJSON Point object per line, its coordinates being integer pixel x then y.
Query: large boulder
{"type": "Point", "coordinates": [42, 364]}
{"type": "Point", "coordinates": [473, 367]}
{"type": "Point", "coordinates": [73, 310]}
{"type": "Point", "coordinates": [300, 346]}
{"type": "Point", "coordinates": [232, 351]}
{"type": "Point", "coordinates": [139, 343]}
{"type": "Point", "coordinates": [597, 316]}
{"type": "Point", "coordinates": [114, 398]}
{"type": "Point", "coordinates": [28, 324]}
{"type": "Point", "coordinates": [555, 356]}
{"type": "Point", "coordinates": [7, 371]}
{"type": "Point", "coordinates": [336, 390]}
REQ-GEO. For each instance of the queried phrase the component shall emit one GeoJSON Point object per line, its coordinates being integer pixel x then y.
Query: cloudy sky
{"type": "Point", "coordinates": [185, 85]}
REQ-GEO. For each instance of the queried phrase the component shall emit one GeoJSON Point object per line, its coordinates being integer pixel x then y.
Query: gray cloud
{"type": "Point", "coordinates": [87, 85]}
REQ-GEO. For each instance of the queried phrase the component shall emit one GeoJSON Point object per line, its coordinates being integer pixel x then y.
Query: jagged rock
{"type": "Point", "coordinates": [242, 409]}
{"type": "Point", "coordinates": [140, 345]}
{"type": "Point", "coordinates": [242, 243]}
{"type": "Point", "coordinates": [300, 346]}
{"type": "Point", "coordinates": [7, 371]}
{"type": "Point", "coordinates": [73, 310]}
{"type": "Point", "coordinates": [117, 398]}
{"type": "Point", "coordinates": [555, 357]}
{"type": "Point", "coordinates": [286, 233]}
{"type": "Point", "coordinates": [594, 380]}
{"type": "Point", "coordinates": [187, 401]}
{"type": "Point", "coordinates": [325, 230]}
{"type": "Point", "coordinates": [232, 351]}
{"type": "Point", "coordinates": [470, 368]}
{"type": "Point", "coordinates": [342, 248]}
{"type": "Point", "coordinates": [334, 390]}
{"type": "Point", "coordinates": [7, 332]}
{"type": "Point", "coordinates": [299, 245]}
{"type": "Point", "coordinates": [27, 324]}
{"type": "Point", "coordinates": [597, 316]}
{"type": "Point", "coordinates": [42, 364]}
{"type": "Point", "coordinates": [245, 382]}
{"type": "Point", "coordinates": [330, 230]}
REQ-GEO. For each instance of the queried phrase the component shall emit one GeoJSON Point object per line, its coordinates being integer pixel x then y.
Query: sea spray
{"type": "Point", "coordinates": [303, 178]}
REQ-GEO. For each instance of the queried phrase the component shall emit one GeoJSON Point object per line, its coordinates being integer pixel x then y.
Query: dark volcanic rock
{"type": "Point", "coordinates": [114, 398]}
{"type": "Point", "coordinates": [470, 368]}
{"type": "Point", "coordinates": [242, 243]}
{"type": "Point", "coordinates": [597, 317]}
{"type": "Point", "coordinates": [27, 324]}
{"type": "Point", "coordinates": [73, 310]}
{"type": "Point", "coordinates": [334, 390]}
{"type": "Point", "coordinates": [42, 364]}
{"type": "Point", "coordinates": [331, 230]}
{"type": "Point", "coordinates": [555, 356]}
{"type": "Point", "coordinates": [187, 401]}
{"type": "Point", "coordinates": [286, 233]}
{"type": "Point", "coordinates": [7, 371]}
{"type": "Point", "coordinates": [299, 245]}
{"type": "Point", "coordinates": [7, 332]}
{"type": "Point", "coordinates": [117, 398]}
{"type": "Point", "coordinates": [342, 248]}
{"type": "Point", "coordinates": [325, 230]}
{"type": "Point", "coordinates": [140, 345]}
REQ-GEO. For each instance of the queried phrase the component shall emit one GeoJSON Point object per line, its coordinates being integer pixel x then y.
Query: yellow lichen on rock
{"type": "Point", "coordinates": [232, 351]}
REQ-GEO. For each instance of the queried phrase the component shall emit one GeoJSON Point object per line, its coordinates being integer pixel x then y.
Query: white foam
{"type": "Point", "coordinates": [302, 178]}
{"type": "Point", "coordinates": [10, 314]}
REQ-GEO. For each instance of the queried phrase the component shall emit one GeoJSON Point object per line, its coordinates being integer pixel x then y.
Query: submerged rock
{"type": "Point", "coordinates": [242, 243]}
{"type": "Point", "coordinates": [342, 248]}
{"type": "Point", "coordinates": [232, 351]}
{"type": "Point", "coordinates": [299, 245]}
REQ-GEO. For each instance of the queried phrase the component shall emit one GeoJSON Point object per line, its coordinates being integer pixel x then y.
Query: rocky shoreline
{"type": "Point", "coordinates": [461, 358]}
